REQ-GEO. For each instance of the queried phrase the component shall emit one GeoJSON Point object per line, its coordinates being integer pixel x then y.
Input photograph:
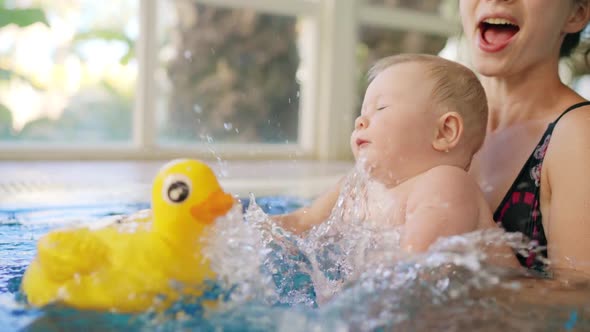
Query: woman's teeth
{"type": "Point", "coordinates": [498, 21]}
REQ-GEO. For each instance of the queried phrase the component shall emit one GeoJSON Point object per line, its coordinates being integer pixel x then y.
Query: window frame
{"type": "Point", "coordinates": [328, 93]}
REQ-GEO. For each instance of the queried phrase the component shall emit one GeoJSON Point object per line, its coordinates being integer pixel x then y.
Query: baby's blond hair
{"type": "Point", "coordinates": [456, 88]}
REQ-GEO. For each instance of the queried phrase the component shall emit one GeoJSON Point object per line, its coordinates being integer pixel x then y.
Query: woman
{"type": "Point", "coordinates": [535, 120]}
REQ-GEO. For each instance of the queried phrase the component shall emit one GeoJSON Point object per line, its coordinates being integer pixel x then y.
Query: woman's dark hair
{"type": "Point", "coordinates": [570, 42]}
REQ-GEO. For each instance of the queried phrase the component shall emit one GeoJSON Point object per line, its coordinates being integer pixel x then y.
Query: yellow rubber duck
{"type": "Point", "coordinates": [132, 267]}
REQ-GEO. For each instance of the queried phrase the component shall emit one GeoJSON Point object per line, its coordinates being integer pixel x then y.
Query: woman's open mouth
{"type": "Point", "coordinates": [496, 33]}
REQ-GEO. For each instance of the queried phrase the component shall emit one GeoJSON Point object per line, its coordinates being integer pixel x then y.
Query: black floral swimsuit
{"type": "Point", "coordinates": [520, 210]}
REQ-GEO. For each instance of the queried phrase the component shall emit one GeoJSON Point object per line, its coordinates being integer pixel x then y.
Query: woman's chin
{"type": "Point", "coordinates": [489, 67]}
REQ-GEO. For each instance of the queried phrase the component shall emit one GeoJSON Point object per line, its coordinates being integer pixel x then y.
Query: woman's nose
{"type": "Point", "coordinates": [361, 122]}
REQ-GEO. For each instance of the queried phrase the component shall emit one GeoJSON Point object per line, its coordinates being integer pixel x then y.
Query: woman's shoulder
{"type": "Point", "coordinates": [570, 139]}
{"type": "Point", "coordinates": [574, 121]}
{"type": "Point", "coordinates": [571, 104]}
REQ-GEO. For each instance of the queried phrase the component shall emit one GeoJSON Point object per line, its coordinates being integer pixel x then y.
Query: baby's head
{"type": "Point", "coordinates": [419, 111]}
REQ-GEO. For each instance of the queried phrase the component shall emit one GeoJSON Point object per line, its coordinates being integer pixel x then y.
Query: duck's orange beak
{"type": "Point", "coordinates": [216, 205]}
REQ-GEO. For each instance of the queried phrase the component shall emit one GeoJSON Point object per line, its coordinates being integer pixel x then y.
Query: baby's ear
{"type": "Point", "coordinates": [578, 18]}
{"type": "Point", "coordinates": [448, 131]}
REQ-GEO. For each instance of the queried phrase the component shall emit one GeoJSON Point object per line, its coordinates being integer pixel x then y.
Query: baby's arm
{"type": "Point", "coordinates": [303, 219]}
{"type": "Point", "coordinates": [444, 202]}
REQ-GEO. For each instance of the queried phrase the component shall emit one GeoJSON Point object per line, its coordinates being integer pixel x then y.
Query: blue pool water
{"type": "Point", "coordinates": [406, 297]}
{"type": "Point", "coordinates": [20, 228]}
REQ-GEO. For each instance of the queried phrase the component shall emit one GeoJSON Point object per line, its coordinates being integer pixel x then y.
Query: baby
{"type": "Point", "coordinates": [422, 120]}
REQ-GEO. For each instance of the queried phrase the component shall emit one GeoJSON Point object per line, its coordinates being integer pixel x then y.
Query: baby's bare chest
{"type": "Point", "coordinates": [387, 207]}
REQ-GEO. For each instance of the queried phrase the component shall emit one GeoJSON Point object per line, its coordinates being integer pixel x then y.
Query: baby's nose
{"type": "Point", "coordinates": [361, 122]}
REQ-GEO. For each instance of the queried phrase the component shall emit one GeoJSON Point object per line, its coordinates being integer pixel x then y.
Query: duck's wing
{"type": "Point", "coordinates": [63, 255]}
{"type": "Point", "coordinates": [142, 216]}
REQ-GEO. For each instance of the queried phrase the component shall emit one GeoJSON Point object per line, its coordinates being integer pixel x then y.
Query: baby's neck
{"type": "Point", "coordinates": [392, 181]}
{"type": "Point", "coordinates": [386, 205]}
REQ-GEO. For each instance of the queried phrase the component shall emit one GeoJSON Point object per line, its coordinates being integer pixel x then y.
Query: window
{"type": "Point", "coordinates": [435, 7]}
{"type": "Point", "coordinates": [227, 75]}
{"type": "Point", "coordinates": [401, 26]}
{"type": "Point", "coordinates": [68, 74]}
{"type": "Point", "coordinates": [376, 43]}
{"type": "Point", "coordinates": [224, 78]}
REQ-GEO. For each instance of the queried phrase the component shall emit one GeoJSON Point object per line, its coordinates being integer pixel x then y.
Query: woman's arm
{"type": "Point", "coordinates": [303, 219]}
{"type": "Point", "coordinates": [567, 167]}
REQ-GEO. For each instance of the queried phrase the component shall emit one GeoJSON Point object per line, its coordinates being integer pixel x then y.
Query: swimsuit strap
{"type": "Point", "coordinates": [571, 108]}
{"type": "Point", "coordinates": [519, 210]}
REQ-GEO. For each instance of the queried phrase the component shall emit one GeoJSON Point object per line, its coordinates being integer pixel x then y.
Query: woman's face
{"type": "Point", "coordinates": [508, 36]}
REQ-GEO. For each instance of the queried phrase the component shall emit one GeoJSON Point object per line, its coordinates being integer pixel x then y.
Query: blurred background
{"type": "Point", "coordinates": [231, 79]}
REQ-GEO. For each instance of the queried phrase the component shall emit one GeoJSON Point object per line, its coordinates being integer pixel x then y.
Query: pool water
{"type": "Point", "coordinates": [21, 227]}
{"type": "Point", "coordinates": [418, 295]}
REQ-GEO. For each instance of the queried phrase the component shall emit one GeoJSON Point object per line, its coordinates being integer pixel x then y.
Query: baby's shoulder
{"type": "Point", "coordinates": [445, 182]}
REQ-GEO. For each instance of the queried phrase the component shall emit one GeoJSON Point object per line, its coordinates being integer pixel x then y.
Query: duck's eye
{"type": "Point", "coordinates": [178, 192]}
{"type": "Point", "coordinates": [177, 188]}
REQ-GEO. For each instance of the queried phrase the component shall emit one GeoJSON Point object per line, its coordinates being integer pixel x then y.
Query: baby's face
{"type": "Point", "coordinates": [394, 133]}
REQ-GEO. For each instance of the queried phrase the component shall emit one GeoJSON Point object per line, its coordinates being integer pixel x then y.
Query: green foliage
{"type": "Point", "coordinates": [5, 74]}
{"type": "Point", "coordinates": [109, 35]}
{"type": "Point", "coordinates": [5, 121]}
{"type": "Point", "coordinates": [5, 115]}
{"type": "Point", "coordinates": [8, 74]}
{"type": "Point", "coordinates": [21, 17]}
{"type": "Point", "coordinates": [89, 118]}
{"type": "Point", "coordinates": [105, 118]}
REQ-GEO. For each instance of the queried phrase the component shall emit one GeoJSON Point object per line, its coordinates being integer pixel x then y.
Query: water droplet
{"type": "Point", "coordinates": [188, 55]}
{"type": "Point", "coordinates": [197, 109]}
{"type": "Point", "coordinates": [228, 126]}
{"type": "Point", "coordinates": [237, 131]}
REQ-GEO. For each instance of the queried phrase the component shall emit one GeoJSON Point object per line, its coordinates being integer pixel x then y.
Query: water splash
{"type": "Point", "coordinates": [345, 275]}
{"type": "Point", "coordinates": [360, 274]}
{"type": "Point", "coordinates": [236, 253]}
{"type": "Point", "coordinates": [285, 262]}
{"type": "Point", "coordinates": [350, 240]}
